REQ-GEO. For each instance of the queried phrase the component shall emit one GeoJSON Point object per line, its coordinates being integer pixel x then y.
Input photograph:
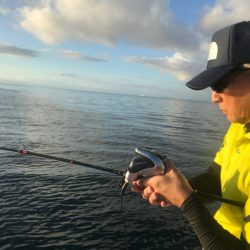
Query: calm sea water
{"type": "Point", "coordinates": [53, 205]}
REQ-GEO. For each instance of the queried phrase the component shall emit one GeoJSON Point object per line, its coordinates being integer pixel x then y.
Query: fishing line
{"type": "Point", "coordinates": [124, 221]}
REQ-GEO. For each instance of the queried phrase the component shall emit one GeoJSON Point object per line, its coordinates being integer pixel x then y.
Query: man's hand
{"type": "Point", "coordinates": [164, 190]}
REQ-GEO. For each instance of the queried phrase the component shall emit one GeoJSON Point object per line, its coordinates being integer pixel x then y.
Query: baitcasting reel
{"type": "Point", "coordinates": [146, 163]}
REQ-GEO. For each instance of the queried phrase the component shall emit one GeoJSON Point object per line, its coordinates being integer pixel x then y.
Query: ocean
{"type": "Point", "coordinates": [46, 204]}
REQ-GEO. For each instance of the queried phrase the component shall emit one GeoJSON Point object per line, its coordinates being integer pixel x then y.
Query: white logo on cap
{"type": "Point", "coordinates": [213, 51]}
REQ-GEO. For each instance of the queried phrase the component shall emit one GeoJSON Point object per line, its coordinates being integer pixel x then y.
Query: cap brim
{"type": "Point", "coordinates": [209, 77]}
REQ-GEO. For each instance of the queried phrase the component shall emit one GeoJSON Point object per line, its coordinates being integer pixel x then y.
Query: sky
{"type": "Point", "coordinates": [138, 47]}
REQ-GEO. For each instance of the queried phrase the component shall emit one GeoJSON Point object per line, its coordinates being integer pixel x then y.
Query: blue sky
{"type": "Point", "coordinates": [149, 47]}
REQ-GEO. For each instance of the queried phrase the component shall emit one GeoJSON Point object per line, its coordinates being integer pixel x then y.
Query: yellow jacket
{"type": "Point", "coordinates": [234, 159]}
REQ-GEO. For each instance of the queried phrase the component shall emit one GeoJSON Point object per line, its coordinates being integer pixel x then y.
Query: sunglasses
{"type": "Point", "coordinates": [220, 86]}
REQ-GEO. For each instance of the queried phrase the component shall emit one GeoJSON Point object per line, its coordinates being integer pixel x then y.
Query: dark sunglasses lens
{"type": "Point", "coordinates": [222, 84]}
{"type": "Point", "coordinates": [219, 87]}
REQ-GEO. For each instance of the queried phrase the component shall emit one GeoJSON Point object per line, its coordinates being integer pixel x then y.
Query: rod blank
{"type": "Point", "coordinates": [27, 152]}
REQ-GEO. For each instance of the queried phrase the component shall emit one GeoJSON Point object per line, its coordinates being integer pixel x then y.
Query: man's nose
{"type": "Point", "coordinates": [216, 97]}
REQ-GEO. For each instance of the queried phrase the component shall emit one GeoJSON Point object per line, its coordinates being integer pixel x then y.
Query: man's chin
{"type": "Point", "coordinates": [236, 120]}
{"type": "Point", "coordinates": [231, 119]}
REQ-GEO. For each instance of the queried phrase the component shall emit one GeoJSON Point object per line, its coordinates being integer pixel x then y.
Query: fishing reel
{"type": "Point", "coordinates": [146, 163]}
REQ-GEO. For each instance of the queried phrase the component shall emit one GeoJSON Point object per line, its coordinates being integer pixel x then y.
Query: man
{"type": "Point", "coordinates": [228, 75]}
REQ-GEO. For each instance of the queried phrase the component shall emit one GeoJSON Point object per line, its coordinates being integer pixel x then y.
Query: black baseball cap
{"type": "Point", "coordinates": [230, 48]}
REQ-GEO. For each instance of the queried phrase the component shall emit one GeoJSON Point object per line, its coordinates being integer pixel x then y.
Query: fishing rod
{"type": "Point", "coordinates": [219, 198]}
{"type": "Point", "coordinates": [145, 164]}
{"type": "Point", "coordinates": [25, 151]}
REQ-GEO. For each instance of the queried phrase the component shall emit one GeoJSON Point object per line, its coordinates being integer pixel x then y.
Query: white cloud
{"type": "Point", "coordinates": [142, 22]}
{"type": "Point", "coordinates": [224, 13]}
{"type": "Point", "coordinates": [78, 56]}
{"type": "Point", "coordinates": [182, 68]}
{"type": "Point", "coordinates": [4, 11]}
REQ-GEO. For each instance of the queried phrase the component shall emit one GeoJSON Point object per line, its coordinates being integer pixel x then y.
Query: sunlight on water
{"type": "Point", "coordinates": [53, 205]}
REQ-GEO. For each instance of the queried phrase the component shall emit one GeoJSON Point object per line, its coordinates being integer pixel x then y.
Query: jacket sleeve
{"type": "Point", "coordinates": [211, 234]}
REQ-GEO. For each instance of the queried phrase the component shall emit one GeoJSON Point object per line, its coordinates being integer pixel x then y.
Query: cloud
{"type": "Point", "coordinates": [4, 11]}
{"type": "Point", "coordinates": [224, 13]}
{"type": "Point", "coordinates": [68, 75]}
{"type": "Point", "coordinates": [76, 55]}
{"type": "Point", "coordinates": [16, 51]}
{"type": "Point", "coordinates": [182, 68]}
{"type": "Point", "coordinates": [143, 23]}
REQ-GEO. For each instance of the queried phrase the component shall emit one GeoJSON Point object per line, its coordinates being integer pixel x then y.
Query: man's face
{"type": "Point", "coordinates": [234, 101]}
